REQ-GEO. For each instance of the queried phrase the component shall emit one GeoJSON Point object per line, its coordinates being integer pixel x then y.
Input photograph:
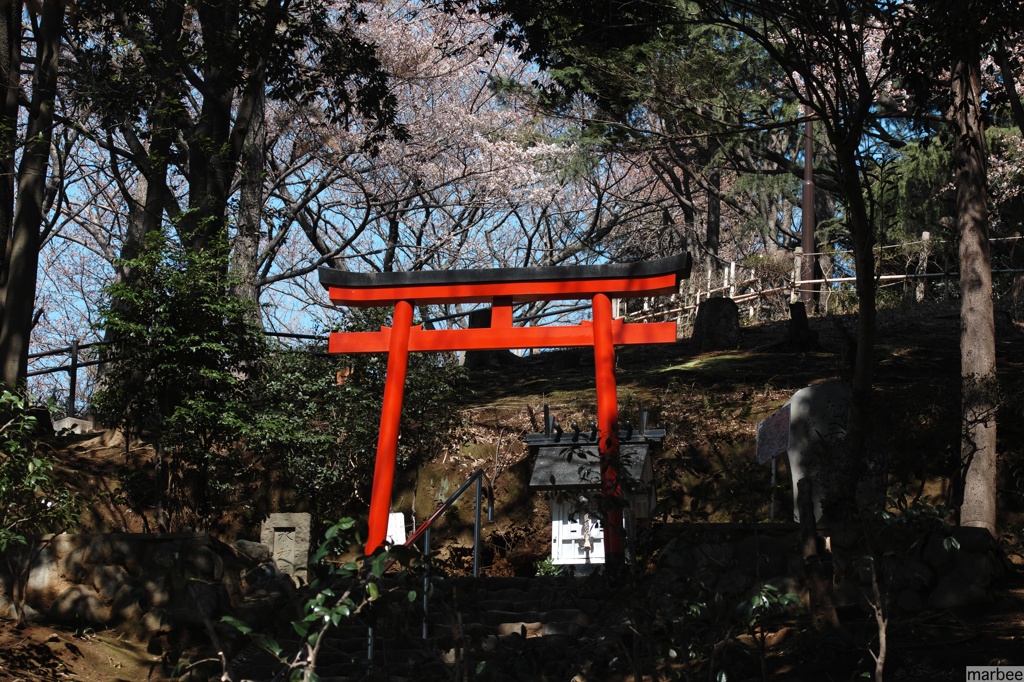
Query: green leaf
{"type": "Point", "coordinates": [373, 591]}
{"type": "Point", "coordinates": [379, 561]}
{"type": "Point", "coordinates": [237, 624]}
{"type": "Point", "coordinates": [411, 596]}
{"type": "Point", "coordinates": [268, 644]}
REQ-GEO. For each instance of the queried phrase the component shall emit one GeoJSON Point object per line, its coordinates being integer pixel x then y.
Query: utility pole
{"type": "Point", "coordinates": [807, 242]}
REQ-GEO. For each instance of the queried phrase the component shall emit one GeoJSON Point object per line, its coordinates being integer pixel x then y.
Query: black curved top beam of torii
{"type": "Point", "coordinates": [554, 282]}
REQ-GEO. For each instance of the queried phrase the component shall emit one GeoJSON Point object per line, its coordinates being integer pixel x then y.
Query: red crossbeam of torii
{"type": "Point", "coordinates": [503, 287]}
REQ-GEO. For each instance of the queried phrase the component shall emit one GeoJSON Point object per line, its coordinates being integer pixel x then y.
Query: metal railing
{"type": "Point", "coordinates": [424, 528]}
{"type": "Point", "coordinates": [424, 531]}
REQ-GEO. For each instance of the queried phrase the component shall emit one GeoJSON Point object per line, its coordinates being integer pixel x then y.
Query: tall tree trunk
{"type": "Point", "coordinates": [245, 256]}
{"type": "Point", "coordinates": [211, 158]}
{"type": "Point", "coordinates": [218, 139]}
{"type": "Point", "coordinates": [860, 478]}
{"type": "Point", "coordinates": [714, 234]}
{"type": "Point", "coordinates": [151, 197]}
{"type": "Point", "coordinates": [10, 65]}
{"type": "Point", "coordinates": [977, 329]}
{"type": "Point", "coordinates": [22, 255]}
{"type": "Point", "coordinates": [391, 245]}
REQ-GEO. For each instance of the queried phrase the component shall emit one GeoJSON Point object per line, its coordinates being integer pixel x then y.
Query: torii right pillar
{"type": "Point", "coordinates": [608, 429]}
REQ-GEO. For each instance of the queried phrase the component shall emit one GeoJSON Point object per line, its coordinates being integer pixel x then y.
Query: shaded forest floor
{"type": "Point", "coordinates": [710, 404]}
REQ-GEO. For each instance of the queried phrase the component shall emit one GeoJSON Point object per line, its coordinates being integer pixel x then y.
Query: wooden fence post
{"type": "Point", "coordinates": [798, 256]}
{"type": "Point", "coordinates": [72, 378]}
{"type": "Point", "coordinates": [922, 266]}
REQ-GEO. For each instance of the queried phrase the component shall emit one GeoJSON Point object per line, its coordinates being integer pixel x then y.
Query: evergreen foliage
{"type": "Point", "coordinates": [345, 592]}
{"type": "Point", "coordinates": [176, 368]}
{"type": "Point", "coordinates": [32, 500]}
{"type": "Point", "coordinates": [317, 417]}
{"type": "Point", "coordinates": [187, 371]}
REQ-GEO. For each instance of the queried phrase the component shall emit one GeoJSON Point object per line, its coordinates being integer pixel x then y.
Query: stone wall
{"type": "Point", "coordinates": [941, 567]}
{"type": "Point", "coordinates": [143, 584]}
{"type": "Point", "coordinates": [731, 560]}
{"type": "Point", "coordinates": [923, 568]}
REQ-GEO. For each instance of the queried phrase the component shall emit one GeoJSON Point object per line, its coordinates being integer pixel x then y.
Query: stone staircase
{"type": "Point", "coordinates": [516, 628]}
{"type": "Point", "coordinates": [485, 629]}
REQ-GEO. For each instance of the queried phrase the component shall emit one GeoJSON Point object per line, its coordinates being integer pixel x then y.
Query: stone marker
{"type": "Point", "coordinates": [817, 427]}
{"type": "Point", "coordinates": [717, 326]}
{"type": "Point", "coordinates": [287, 536]}
{"type": "Point", "coordinates": [799, 337]}
{"type": "Point", "coordinates": [772, 441]}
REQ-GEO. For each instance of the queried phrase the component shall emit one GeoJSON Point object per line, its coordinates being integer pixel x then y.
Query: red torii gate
{"type": "Point", "coordinates": [503, 287]}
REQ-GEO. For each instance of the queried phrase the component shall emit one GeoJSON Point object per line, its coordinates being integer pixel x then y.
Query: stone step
{"type": "Point", "coordinates": [554, 615]}
{"type": "Point", "coordinates": [471, 634]}
{"type": "Point", "coordinates": [507, 628]}
{"type": "Point", "coordinates": [537, 629]}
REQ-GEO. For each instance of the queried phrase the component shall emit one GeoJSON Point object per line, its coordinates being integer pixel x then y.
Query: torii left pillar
{"type": "Point", "coordinates": [502, 288]}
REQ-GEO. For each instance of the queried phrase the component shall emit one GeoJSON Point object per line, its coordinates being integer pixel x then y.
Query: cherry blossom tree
{"type": "Point", "coordinates": [480, 181]}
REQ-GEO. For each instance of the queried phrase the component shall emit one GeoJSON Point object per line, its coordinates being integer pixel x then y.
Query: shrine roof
{"type": "Point", "coordinates": [577, 466]}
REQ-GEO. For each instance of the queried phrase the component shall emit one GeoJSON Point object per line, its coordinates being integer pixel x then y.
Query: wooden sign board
{"type": "Point", "coordinates": [773, 436]}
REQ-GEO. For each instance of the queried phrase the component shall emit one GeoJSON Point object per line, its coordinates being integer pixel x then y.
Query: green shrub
{"type": "Point", "coordinates": [179, 345]}
{"type": "Point", "coordinates": [346, 592]}
{"type": "Point", "coordinates": [32, 499]}
{"type": "Point", "coordinates": [324, 435]}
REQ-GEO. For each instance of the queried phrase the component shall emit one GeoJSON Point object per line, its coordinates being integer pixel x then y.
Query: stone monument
{"type": "Point", "coordinates": [287, 536]}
